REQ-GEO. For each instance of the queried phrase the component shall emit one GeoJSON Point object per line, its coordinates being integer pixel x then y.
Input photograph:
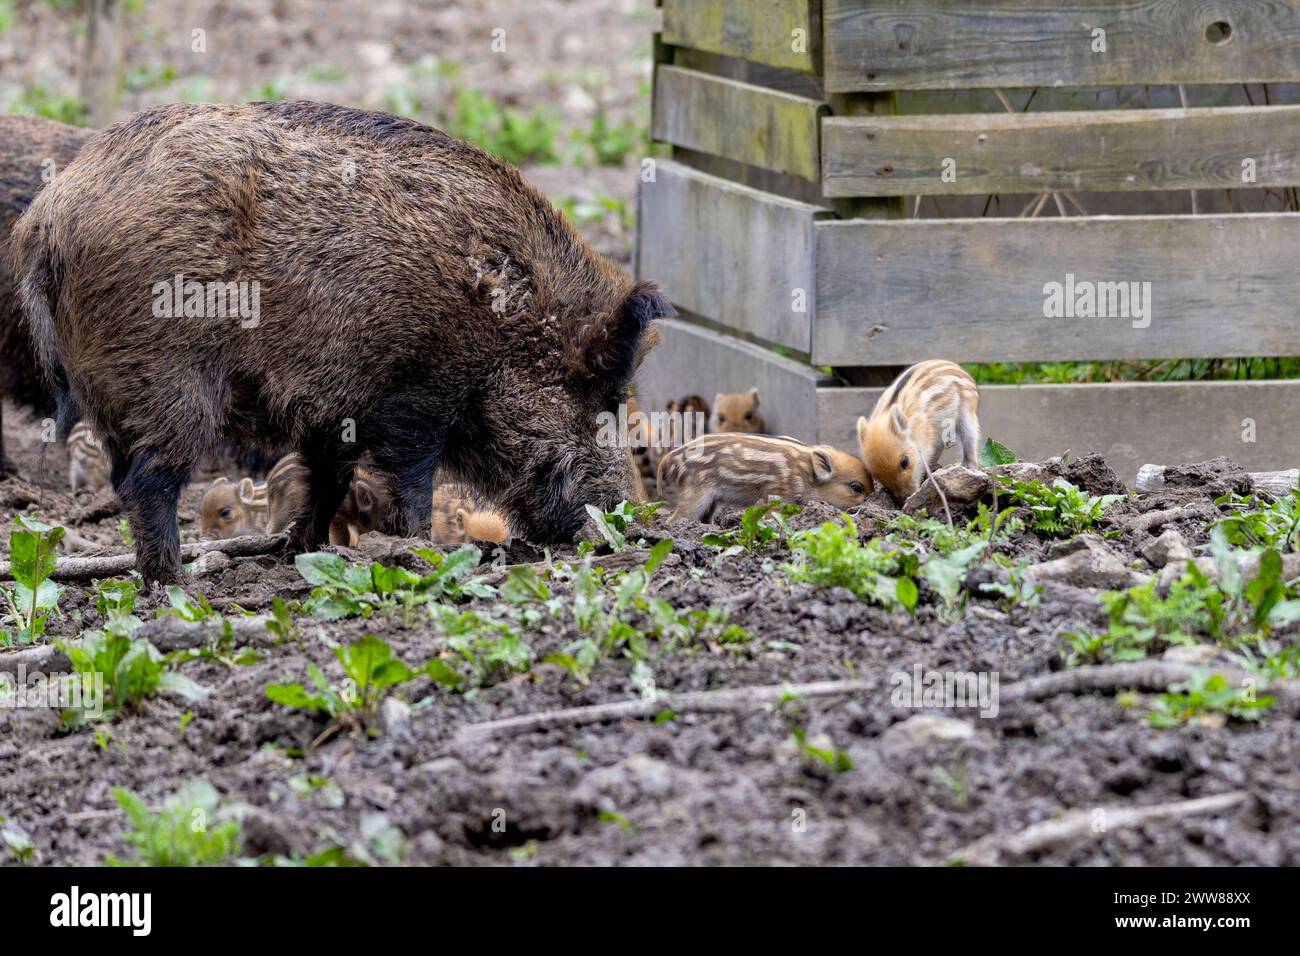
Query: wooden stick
{"type": "Point", "coordinates": [1080, 824]}
{"type": "Point", "coordinates": [1152, 478]}
{"type": "Point", "coordinates": [1140, 675]}
{"type": "Point", "coordinates": [731, 700]}
{"type": "Point", "coordinates": [113, 565]}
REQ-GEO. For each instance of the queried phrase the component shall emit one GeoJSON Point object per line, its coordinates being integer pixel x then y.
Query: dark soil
{"type": "Point", "coordinates": [694, 788]}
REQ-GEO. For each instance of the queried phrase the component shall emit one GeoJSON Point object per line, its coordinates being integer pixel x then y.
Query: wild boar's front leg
{"type": "Point", "coordinates": [149, 491]}
{"type": "Point", "coordinates": [330, 467]}
{"type": "Point", "coordinates": [407, 446]}
{"type": "Point", "coordinates": [7, 467]}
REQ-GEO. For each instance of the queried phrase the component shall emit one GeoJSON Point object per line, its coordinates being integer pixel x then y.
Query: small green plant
{"type": "Point", "coordinates": [372, 671]}
{"type": "Point", "coordinates": [185, 832]}
{"type": "Point", "coordinates": [613, 525]}
{"type": "Point", "coordinates": [995, 453]}
{"type": "Point", "coordinates": [1016, 592]}
{"type": "Point", "coordinates": [281, 623]}
{"type": "Point", "coordinates": [195, 611]}
{"type": "Point", "coordinates": [760, 526]}
{"type": "Point", "coordinates": [1203, 694]}
{"type": "Point", "coordinates": [132, 669]}
{"type": "Point", "coordinates": [348, 590]}
{"type": "Point", "coordinates": [610, 143]}
{"type": "Point", "coordinates": [514, 136]}
{"type": "Point", "coordinates": [36, 100]}
{"type": "Point", "coordinates": [488, 649]}
{"type": "Point", "coordinates": [1230, 609]}
{"type": "Point", "coordinates": [33, 556]}
{"type": "Point", "coordinates": [1062, 508]}
{"type": "Point", "coordinates": [1254, 522]}
{"type": "Point", "coordinates": [831, 556]}
{"type": "Point", "coordinates": [17, 842]}
{"type": "Point", "coordinates": [837, 761]}
{"type": "Point", "coordinates": [944, 538]}
{"type": "Point", "coordinates": [946, 572]}
{"type": "Point", "coordinates": [115, 601]}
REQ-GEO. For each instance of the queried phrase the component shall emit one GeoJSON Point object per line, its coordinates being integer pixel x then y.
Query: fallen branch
{"type": "Point", "coordinates": [113, 565]}
{"type": "Point", "coordinates": [1076, 825]}
{"type": "Point", "coordinates": [1152, 478]}
{"type": "Point", "coordinates": [731, 700]}
{"type": "Point", "coordinates": [1150, 676]}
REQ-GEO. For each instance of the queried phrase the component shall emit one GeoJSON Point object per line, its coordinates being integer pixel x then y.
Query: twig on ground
{"type": "Point", "coordinates": [731, 700]}
{"type": "Point", "coordinates": [1080, 824]}
{"type": "Point", "coordinates": [113, 565]}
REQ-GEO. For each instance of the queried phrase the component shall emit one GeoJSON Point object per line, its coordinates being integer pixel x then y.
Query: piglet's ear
{"type": "Point", "coordinates": [753, 398]}
{"type": "Point", "coordinates": [822, 467]}
{"type": "Point", "coordinates": [897, 423]}
{"type": "Point", "coordinates": [607, 348]}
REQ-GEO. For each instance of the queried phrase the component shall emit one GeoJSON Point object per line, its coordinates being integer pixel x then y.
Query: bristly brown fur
{"type": "Point", "coordinates": [28, 145]}
{"type": "Point", "coordinates": [412, 287]}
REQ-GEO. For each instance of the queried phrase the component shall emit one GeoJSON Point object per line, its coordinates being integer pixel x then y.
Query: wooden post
{"type": "Point", "coordinates": [101, 61]}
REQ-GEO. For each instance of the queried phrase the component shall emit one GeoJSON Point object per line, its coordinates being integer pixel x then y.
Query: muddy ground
{"type": "Point", "coordinates": [669, 788]}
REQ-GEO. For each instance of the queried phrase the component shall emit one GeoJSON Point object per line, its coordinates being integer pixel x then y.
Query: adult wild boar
{"type": "Point", "coordinates": [32, 151]}
{"type": "Point", "coordinates": [411, 297]}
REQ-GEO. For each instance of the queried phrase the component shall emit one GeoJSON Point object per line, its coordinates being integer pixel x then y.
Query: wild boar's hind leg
{"type": "Point", "coordinates": [149, 491]}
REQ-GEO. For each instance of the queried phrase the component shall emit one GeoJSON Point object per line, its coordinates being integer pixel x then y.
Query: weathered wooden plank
{"type": "Point", "coordinates": [987, 290]}
{"type": "Point", "coordinates": [1130, 423]}
{"type": "Point", "coordinates": [740, 121]}
{"type": "Point", "coordinates": [1116, 150]}
{"type": "Point", "coordinates": [731, 254]}
{"type": "Point", "coordinates": [948, 44]}
{"type": "Point", "coordinates": [693, 360]}
{"type": "Point", "coordinates": [775, 32]}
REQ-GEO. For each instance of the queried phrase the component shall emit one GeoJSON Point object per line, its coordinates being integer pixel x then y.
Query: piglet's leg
{"type": "Point", "coordinates": [968, 433]}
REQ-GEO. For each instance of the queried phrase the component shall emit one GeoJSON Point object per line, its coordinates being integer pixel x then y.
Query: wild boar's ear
{"type": "Point", "coordinates": [649, 342]}
{"type": "Point", "coordinates": [607, 348]}
{"type": "Point", "coordinates": [823, 469]}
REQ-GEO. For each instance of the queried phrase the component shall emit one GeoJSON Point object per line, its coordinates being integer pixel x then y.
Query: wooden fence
{"type": "Point", "coordinates": [856, 185]}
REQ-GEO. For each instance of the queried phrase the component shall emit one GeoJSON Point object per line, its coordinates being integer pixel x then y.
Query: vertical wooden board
{"type": "Point", "coordinates": [766, 31]}
{"type": "Point", "coordinates": [740, 121]}
{"type": "Point", "coordinates": [693, 360]}
{"type": "Point", "coordinates": [731, 254]}
{"type": "Point", "coordinates": [1130, 423]}
{"type": "Point", "coordinates": [949, 44]}
{"type": "Point", "coordinates": [979, 290]}
{"type": "Point", "coordinates": [1114, 150]}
